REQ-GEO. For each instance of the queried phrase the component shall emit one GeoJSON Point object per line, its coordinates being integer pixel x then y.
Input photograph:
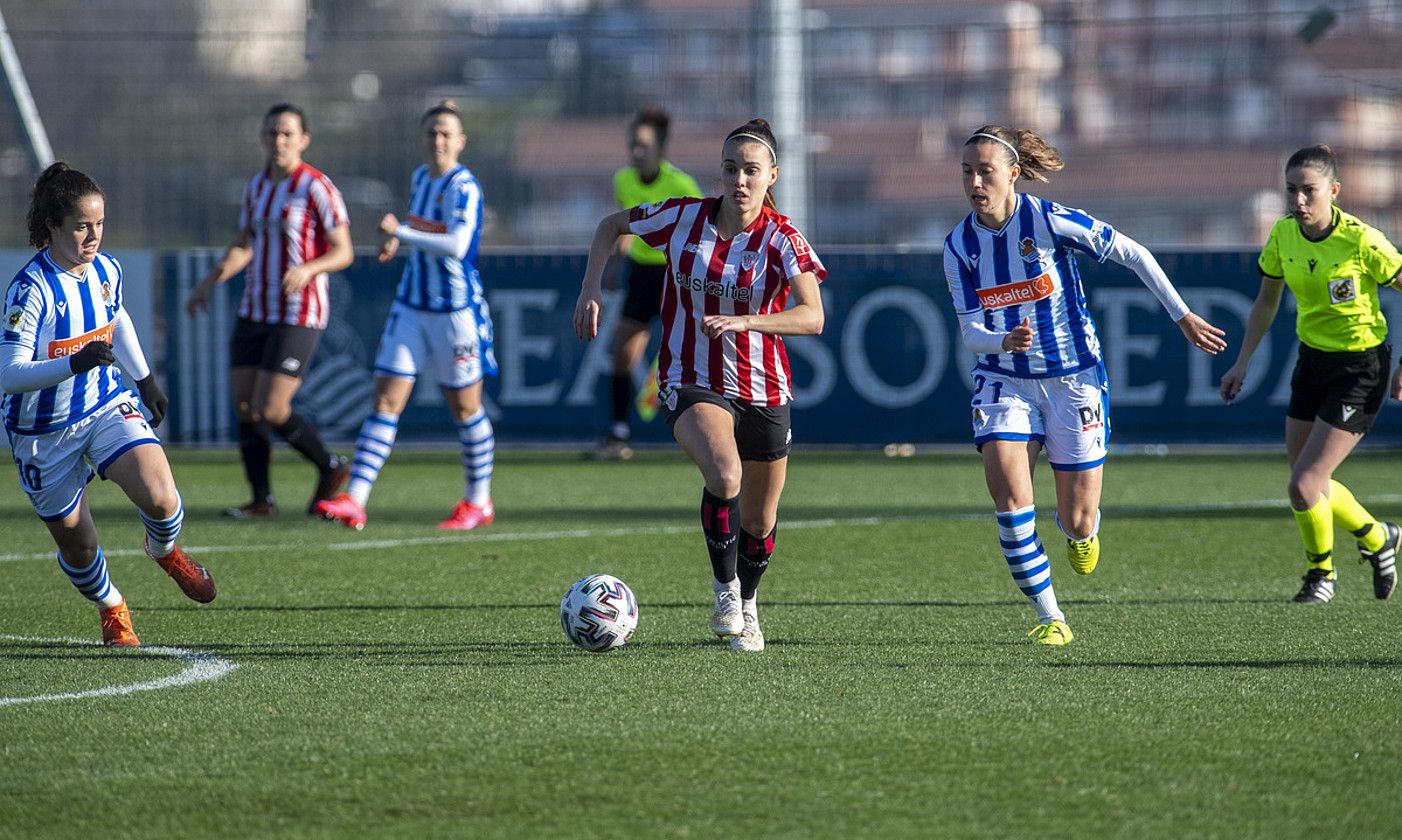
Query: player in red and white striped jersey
{"type": "Point", "coordinates": [293, 229]}
{"type": "Point", "coordinates": [723, 376]}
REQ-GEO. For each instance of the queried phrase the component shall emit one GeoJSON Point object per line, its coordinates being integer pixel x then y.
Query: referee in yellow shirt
{"type": "Point", "coordinates": [1334, 264]}
{"type": "Point", "coordinates": [650, 178]}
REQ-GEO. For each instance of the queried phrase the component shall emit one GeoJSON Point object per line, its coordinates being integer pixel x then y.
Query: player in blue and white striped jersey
{"type": "Point", "coordinates": [67, 414]}
{"type": "Point", "coordinates": [1039, 381]}
{"type": "Point", "coordinates": [439, 321]}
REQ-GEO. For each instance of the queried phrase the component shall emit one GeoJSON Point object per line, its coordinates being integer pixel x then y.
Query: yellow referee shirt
{"type": "Point", "coordinates": [629, 189]}
{"type": "Point", "coordinates": [1335, 281]}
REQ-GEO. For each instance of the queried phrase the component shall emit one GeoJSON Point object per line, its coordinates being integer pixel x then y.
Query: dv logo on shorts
{"type": "Point", "coordinates": [464, 353]}
{"type": "Point", "coordinates": [1341, 290]}
{"type": "Point", "coordinates": [130, 411]}
{"type": "Point", "coordinates": [291, 364]}
{"type": "Point", "coordinates": [1092, 416]}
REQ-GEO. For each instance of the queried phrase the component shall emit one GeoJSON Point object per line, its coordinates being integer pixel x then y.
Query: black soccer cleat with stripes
{"type": "Point", "coordinates": [1384, 561]}
{"type": "Point", "coordinates": [1318, 587]}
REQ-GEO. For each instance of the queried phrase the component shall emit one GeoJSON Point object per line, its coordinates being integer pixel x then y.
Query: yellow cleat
{"type": "Point", "coordinates": [1083, 554]}
{"type": "Point", "coordinates": [1055, 634]}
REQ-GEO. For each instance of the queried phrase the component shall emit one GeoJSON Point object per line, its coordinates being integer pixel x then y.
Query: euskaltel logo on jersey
{"type": "Point", "coordinates": [715, 288]}
{"type": "Point", "coordinates": [68, 346]}
{"type": "Point", "coordinates": [1011, 294]}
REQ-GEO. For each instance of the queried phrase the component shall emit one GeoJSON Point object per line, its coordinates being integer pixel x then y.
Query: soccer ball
{"type": "Point", "coordinates": [599, 612]}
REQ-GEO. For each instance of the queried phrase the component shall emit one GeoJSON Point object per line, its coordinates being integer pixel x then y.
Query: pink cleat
{"type": "Point", "coordinates": [343, 509]}
{"type": "Point", "coordinates": [466, 516]}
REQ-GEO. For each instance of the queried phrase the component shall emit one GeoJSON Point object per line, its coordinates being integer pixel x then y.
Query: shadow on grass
{"type": "Point", "coordinates": [1247, 664]}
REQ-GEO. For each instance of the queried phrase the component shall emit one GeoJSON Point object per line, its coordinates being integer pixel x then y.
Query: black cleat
{"type": "Point", "coordinates": [1318, 588]}
{"type": "Point", "coordinates": [253, 510]}
{"type": "Point", "coordinates": [1384, 561]}
{"type": "Point", "coordinates": [330, 484]}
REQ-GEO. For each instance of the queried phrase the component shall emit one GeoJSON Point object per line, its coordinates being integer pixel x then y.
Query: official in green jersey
{"type": "Point", "coordinates": [643, 269]}
{"type": "Point", "coordinates": [1333, 264]}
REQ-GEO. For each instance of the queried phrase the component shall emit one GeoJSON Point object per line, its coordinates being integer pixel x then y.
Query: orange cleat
{"type": "Point", "coordinates": [342, 509]}
{"type": "Point", "coordinates": [191, 577]}
{"type": "Point", "coordinates": [466, 516]}
{"type": "Point", "coordinates": [116, 626]}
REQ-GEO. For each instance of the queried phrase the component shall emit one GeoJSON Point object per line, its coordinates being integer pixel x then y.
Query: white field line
{"type": "Point", "coordinates": [199, 667]}
{"type": "Point", "coordinates": [590, 533]}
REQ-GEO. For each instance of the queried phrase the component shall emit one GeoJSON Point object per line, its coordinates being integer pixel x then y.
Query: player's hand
{"type": "Point", "coordinates": [198, 301]}
{"type": "Point", "coordinates": [715, 326]}
{"type": "Point", "coordinates": [389, 224]}
{"type": "Point", "coordinates": [1020, 339]}
{"type": "Point", "coordinates": [1397, 383]}
{"type": "Point", "coordinates": [389, 249]}
{"type": "Point", "coordinates": [154, 399]}
{"type": "Point", "coordinates": [94, 354]}
{"type": "Point", "coordinates": [1202, 335]}
{"type": "Point", "coordinates": [587, 311]}
{"type": "Point", "coordinates": [295, 279]}
{"type": "Point", "coordinates": [1232, 379]}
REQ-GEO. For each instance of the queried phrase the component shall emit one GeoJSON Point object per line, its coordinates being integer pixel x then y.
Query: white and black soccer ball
{"type": "Point", "coordinates": [599, 612]}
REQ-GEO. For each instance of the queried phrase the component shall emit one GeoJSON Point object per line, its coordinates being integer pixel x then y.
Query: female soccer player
{"type": "Point", "coordinates": [293, 229]}
{"type": "Point", "coordinates": [66, 412]}
{"type": "Point", "coordinates": [650, 178]}
{"type": "Point", "coordinates": [723, 374]}
{"type": "Point", "coordinates": [439, 322]}
{"type": "Point", "coordinates": [1039, 381]}
{"type": "Point", "coordinates": [1334, 264]}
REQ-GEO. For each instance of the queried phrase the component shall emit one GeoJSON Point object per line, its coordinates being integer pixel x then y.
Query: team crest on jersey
{"type": "Point", "coordinates": [1028, 249]}
{"type": "Point", "coordinates": [106, 292]}
{"type": "Point", "coordinates": [748, 260]}
{"type": "Point", "coordinates": [1342, 290]}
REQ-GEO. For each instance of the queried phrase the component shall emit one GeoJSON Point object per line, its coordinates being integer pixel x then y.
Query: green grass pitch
{"type": "Point", "coordinates": [404, 682]}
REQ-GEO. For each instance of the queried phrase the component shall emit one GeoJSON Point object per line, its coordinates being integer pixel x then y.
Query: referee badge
{"type": "Point", "coordinates": [1342, 290]}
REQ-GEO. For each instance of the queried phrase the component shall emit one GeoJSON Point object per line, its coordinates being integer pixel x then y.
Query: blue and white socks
{"type": "Point", "coordinates": [377, 435]}
{"type": "Point", "coordinates": [93, 581]}
{"type": "Point", "coordinates": [161, 534]}
{"type": "Point", "coordinates": [1027, 561]}
{"type": "Point", "coordinates": [478, 453]}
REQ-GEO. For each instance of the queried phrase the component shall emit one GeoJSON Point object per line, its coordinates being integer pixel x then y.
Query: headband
{"type": "Point", "coordinates": [761, 141]}
{"type": "Point", "coordinates": [1017, 158]}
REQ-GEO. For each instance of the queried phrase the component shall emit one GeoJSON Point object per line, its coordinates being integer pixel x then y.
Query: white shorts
{"type": "Point", "coordinates": [448, 342]}
{"type": "Point", "coordinates": [55, 467]}
{"type": "Point", "coordinates": [1069, 415]}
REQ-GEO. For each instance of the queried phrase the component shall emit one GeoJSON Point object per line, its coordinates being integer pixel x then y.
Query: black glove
{"type": "Point", "coordinates": [154, 399]}
{"type": "Point", "coordinates": [94, 354]}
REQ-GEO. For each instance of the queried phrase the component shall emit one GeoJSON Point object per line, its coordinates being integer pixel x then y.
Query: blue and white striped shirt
{"type": "Point", "coordinates": [52, 313]}
{"type": "Point", "coordinates": [1028, 270]}
{"type": "Point", "coordinates": [444, 204]}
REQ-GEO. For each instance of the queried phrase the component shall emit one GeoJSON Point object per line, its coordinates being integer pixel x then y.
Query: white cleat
{"type": "Point", "coordinates": [727, 621]}
{"type": "Point", "coordinates": [750, 639]}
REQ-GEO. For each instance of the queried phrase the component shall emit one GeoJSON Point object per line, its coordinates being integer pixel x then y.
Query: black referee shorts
{"type": "Point", "coordinates": [762, 432]}
{"type": "Point", "coordinates": [1345, 390]}
{"type": "Point", "coordinates": [643, 300]}
{"type": "Point", "coordinates": [277, 348]}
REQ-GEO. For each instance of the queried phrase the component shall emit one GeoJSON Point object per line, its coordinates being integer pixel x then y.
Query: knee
{"type": "Point", "coordinates": [243, 409]}
{"type": "Point", "coordinates": [1305, 490]}
{"type": "Point", "coordinates": [759, 525]}
{"type": "Point", "coordinates": [723, 479]}
{"type": "Point", "coordinates": [1078, 523]}
{"type": "Point", "coordinates": [165, 501]}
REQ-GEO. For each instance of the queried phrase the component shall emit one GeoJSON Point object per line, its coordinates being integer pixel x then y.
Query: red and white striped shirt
{"type": "Point", "coordinates": [747, 274]}
{"type": "Point", "coordinates": [288, 222]}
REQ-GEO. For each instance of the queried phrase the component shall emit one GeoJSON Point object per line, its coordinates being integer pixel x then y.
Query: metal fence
{"type": "Point", "coordinates": [1175, 116]}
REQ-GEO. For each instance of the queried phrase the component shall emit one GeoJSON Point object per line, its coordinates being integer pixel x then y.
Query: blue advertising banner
{"type": "Point", "coordinates": [889, 366]}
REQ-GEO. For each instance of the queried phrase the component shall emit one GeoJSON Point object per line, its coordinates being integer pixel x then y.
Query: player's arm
{"type": "Point", "coordinates": [972, 330]}
{"type": "Point", "coordinates": [126, 347]}
{"type": "Point", "coordinates": [804, 317]}
{"type": "Point", "coordinates": [589, 307]}
{"type": "Point", "coordinates": [236, 258]}
{"type": "Point", "coordinates": [339, 254]}
{"type": "Point", "coordinates": [1138, 259]}
{"type": "Point", "coordinates": [1258, 322]}
{"type": "Point", "coordinates": [20, 372]}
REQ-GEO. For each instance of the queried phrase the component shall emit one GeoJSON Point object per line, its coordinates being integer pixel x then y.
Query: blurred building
{"type": "Point", "coordinates": [1174, 116]}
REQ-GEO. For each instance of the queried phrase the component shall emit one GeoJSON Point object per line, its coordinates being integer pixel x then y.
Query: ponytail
{"type": "Point", "coordinates": [56, 194]}
{"type": "Point", "coordinates": [1025, 148]}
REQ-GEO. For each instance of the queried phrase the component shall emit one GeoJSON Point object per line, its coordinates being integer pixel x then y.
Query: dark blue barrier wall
{"type": "Point", "coordinates": [889, 366]}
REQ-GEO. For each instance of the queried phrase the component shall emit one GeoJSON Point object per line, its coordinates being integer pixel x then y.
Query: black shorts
{"type": "Point", "coordinates": [643, 300]}
{"type": "Point", "coordinates": [1345, 390]}
{"type": "Point", "coordinates": [762, 432]}
{"type": "Point", "coordinates": [279, 348]}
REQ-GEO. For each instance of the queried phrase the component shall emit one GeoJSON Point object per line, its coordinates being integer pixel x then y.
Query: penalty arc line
{"type": "Point", "coordinates": [590, 533]}
{"type": "Point", "coordinates": [200, 667]}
